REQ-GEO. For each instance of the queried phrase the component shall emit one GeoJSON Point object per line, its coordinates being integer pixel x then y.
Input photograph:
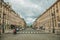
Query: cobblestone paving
{"type": "Point", "coordinates": [30, 37]}
{"type": "Point", "coordinates": [29, 34]}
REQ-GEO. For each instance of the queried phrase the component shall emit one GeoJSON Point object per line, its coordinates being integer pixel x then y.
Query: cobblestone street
{"type": "Point", "coordinates": [30, 36]}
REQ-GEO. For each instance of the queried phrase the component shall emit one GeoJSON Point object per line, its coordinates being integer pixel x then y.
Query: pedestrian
{"type": "Point", "coordinates": [14, 31]}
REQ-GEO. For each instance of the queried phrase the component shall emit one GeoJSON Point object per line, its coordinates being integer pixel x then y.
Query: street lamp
{"type": "Point", "coordinates": [53, 16]}
{"type": "Point", "coordinates": [3, 23]}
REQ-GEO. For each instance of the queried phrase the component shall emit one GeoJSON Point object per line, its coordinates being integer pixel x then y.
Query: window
{"type": "Point", "coordinates": [53, 10]}
{"type": "Point", "coordinates": [0, 5]}
{"type": "Point", "coordinates": [0, 10]}
{"type": "Point", "coordinates": [58, 18]}
{"type": "Point", "coordinates": [55, 23]}
{"type": "Point", "coordinates": [0, 21]}
{"type": "Point", "coordinates": [0, 15]}
{"type": "Point", "coordinates": [58, 24]}
{"type": "Point", "coordinates": [56, 7]}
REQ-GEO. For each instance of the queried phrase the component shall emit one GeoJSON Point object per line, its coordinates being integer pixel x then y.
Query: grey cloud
{"type": "Point", "coordinates": [31, 11]}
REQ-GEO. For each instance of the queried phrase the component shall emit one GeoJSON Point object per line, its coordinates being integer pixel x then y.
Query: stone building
{"type": "Point", "coordinates": [49, 21]}
{"type": "Point", "coordinates": [9, 18]}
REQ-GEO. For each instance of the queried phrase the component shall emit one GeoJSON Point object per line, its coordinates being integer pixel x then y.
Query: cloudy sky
{"type": "Point", "coordinates": [30, 9]}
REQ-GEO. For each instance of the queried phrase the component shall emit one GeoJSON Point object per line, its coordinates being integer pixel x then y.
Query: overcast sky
{"type": "Point", "coordinates": [30, 9]}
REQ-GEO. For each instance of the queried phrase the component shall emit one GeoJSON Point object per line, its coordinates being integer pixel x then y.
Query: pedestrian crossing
{"type": "Point", "coordinates": [30, 32]}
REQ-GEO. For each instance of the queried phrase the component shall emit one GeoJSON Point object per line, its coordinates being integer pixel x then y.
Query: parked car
{"type": "Point", "coordinates": [20, 29]}
{"type": "Point", "coordinates": [23, 28]}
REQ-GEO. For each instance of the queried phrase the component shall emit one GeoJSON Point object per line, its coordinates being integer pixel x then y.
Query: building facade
{"type": "Point", "coordinates": [49, 21]}
{"type": "Point", "coordinates": [9, 18]}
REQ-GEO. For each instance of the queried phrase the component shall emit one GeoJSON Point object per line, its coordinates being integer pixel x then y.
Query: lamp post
{"type": "Point", "coordinates": [3, 23]}
{"type": "Point", "coordinates": [53, 16]}
{"type": "Point", "coordinates": [2, 17]}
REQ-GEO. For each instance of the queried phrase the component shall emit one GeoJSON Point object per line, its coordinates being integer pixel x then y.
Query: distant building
{"type": "Point", "coordinates": [9, 18]}
{"type": "Point", "coordinates": [50, 19]}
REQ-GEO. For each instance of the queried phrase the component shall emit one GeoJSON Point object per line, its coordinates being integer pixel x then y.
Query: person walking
{"type": "Point", "coordinates": [14, 31]}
